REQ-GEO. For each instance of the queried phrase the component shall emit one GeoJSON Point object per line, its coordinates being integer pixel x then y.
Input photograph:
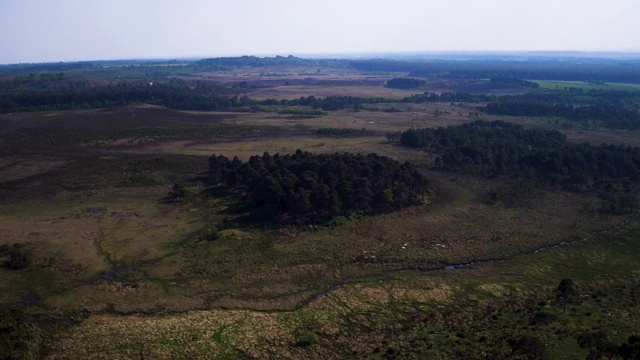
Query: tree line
{"type": "Point", "coordinates": [225, 63]}
{"type": "Point", "coordinates": [307, 186]}
{"type": "Point", "coordinates": [539, 68]}
{"type": "Point", "coordinates": [202, 97]}
{"type": "Point", "coordinates": [613, 109]}
{"type": "Point", "coordinates": [344, 132]}
{"type": "Point", "coordinates": [469, 67]}
{"type": "Point", "coordinates": [514, 81]}
{"type": "Point", "coordinates": [427, 97]}
{"type": "Point", "coordinates": [500, 148]}
{"type": "Point", "coordinates": [405, 83]}
{"type": "Point", "coordinates": [591, 97]}
{"type": "Point", "coordinates": [181, 96]}
{"type": "Point", "coordinates": [599, 115]}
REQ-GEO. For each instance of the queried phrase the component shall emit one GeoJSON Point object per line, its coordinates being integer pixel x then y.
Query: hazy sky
{"type": "Point", "coordinates": [67, 30]}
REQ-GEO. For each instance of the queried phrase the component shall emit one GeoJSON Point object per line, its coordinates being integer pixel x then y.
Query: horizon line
{"type": "Point", "coordinates": [348, 55]}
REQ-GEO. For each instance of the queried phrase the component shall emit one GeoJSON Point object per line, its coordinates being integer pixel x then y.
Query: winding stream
{"type": "Point", "coordinates": [32, 298]}
{"type": "Point", "coordinates": [463, 265]}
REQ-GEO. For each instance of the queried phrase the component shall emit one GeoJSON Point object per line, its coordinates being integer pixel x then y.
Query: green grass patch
{"type": "Point", "coordinates": [585, 86]}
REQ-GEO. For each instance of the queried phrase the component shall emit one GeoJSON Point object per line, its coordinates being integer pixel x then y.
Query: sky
{"type": "Point", "coordinates": [34, 31]}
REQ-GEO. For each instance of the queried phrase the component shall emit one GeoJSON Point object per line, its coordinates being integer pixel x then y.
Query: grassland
{"type": "Point", "coordinates": [119, 270]}
{"type": "Point", "coordinates": [403, 314]}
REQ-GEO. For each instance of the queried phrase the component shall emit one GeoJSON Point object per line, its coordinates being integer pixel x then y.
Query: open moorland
{"type": "Point", "coordinates": [121, 238]}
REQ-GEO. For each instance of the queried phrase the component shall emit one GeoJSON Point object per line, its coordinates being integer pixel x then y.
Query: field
{"type": "Point", "coordinates": [118, 269]}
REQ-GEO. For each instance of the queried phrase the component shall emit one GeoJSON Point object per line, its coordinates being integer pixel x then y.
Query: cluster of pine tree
{"type": "Point", "coordinates": [501, 148]}
{"type": "Point", "coordinates": [318, 187]}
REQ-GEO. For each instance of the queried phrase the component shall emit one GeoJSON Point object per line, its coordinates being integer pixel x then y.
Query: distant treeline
{"type": "Point", "coordinates": [201, 97]}
{"type": "Point", "coordinates": [601, 115]}
{"type": "Point", "coordinates": [405, 83]}
{"type": "Point", "coordinates": [317, 187]}
{"type": "Point", "coordinates": [328, 103]}
{"type": "Point", "coordinates": [45, 67]}
{"type": "Point", "coordinates": [613, 97]}
{"type": "Point", "coordinates": [471, 67]}
{"type": "Point", "coordinates": [603, 70]}
{"type": "Point", "coordinates": [503, 149]}
{"type": "Point", "coordinates": [514, 81]}
{"type": "Point", "coordinates": [611, 109]}
{"type": "Point", "coordinates": [344, 132]}
{"type": "Point", "coordinates": [41, 82]}
{"type": "Point", "coordinates": [177, 96]}
{"type": "Point", "coordinates": [225, 63]}
{"type": "Point", "coordinates": [347, 102]}
{"type": "Point", "coordinates": [624, 99]}
{"type": "Point", "coordinates": [447, 97]}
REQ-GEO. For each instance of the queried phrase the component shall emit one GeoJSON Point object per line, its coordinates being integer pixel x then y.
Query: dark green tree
{"type": "Point", "coordinates": [631, 349]}
{"type": "Point", "coordinates": [530, 347]}
{"type": "Point", "coordinates": [178, 192]}
{"type": "Point", "coordinates": [598, 345]}
{"type": "Point", "coordinates": [566, 290]}
{"type": "Point", "coordinates": [13, 257]}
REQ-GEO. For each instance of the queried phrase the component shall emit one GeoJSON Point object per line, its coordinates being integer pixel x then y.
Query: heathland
{"type": "Point", "coordinates": [303, 208]}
